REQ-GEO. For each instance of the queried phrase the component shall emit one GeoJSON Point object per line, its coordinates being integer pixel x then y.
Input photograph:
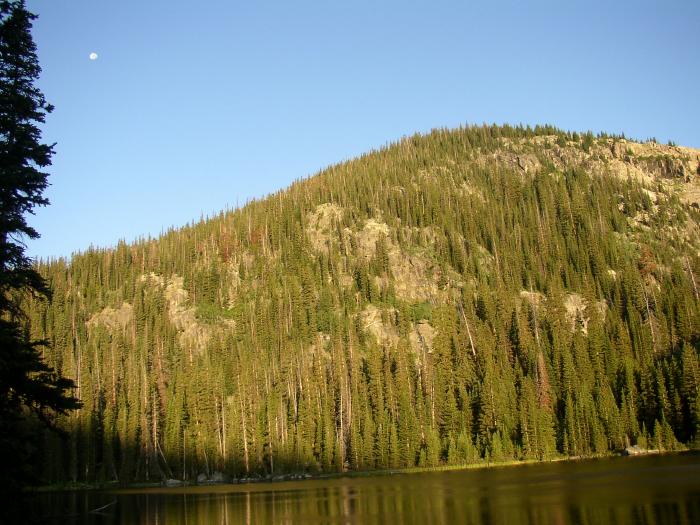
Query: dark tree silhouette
{"type": "Point", "coordinates": [28, 386]}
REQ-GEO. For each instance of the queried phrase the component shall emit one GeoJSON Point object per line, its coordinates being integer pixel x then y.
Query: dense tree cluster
{"type": "Point", "coordinates": [540, 320]}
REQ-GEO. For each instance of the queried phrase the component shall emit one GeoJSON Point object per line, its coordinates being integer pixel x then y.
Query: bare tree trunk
{"type": "Point", "coordinates": [245, 436]}
{"type": "Point", "coordinates": [649, 319]}
{"type": "Point", "coordinates": [469, 332]}
{"type": "Point", "coordinates": [692, 278]}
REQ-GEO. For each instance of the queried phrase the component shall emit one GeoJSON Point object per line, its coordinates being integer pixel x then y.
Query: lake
{"type": "Point", "coordinates": [643, 490]}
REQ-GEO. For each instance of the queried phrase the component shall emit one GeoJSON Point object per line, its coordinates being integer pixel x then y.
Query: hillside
{"type": "Point", "coordinates": [486, 293]}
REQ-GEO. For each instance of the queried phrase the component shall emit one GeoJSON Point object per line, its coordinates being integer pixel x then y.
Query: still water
{"type": "Point", "coordinates": [644, 490]}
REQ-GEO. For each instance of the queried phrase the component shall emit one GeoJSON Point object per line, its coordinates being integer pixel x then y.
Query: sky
{"type": "Point", "coordinates": [194, 107]}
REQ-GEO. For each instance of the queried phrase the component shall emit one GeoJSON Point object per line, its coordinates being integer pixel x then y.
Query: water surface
{"type": "Point", "coordinates": [640, 490]}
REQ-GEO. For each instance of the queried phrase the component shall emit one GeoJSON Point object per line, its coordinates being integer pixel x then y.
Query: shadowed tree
{"type": "Point", "coordinates": [28, 386]}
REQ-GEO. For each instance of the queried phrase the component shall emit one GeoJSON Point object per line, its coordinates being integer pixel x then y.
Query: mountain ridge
{"type": "Point", "coordinates": [469, 295]}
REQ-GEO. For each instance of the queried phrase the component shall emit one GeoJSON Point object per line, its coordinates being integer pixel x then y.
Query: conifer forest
{"type": "Point", "coordinates": [484, 294]}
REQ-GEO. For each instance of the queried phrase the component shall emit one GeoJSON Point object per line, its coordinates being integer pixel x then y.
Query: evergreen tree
{"type": "Point", "coordinates": [28, 385]}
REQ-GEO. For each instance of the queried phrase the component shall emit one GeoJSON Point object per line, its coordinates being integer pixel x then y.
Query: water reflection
{"type": "Point", "coordinates": [621, 491]}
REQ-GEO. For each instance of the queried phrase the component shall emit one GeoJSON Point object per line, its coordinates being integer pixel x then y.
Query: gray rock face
{"type": "Point", "coordinates": [201, 478]}
{"type": "Point", "coordinates": [675, 168]}
{"type": "Point", "coordinates": [617, 150]}
{"type": "Point", "coordinates": [173, 483]}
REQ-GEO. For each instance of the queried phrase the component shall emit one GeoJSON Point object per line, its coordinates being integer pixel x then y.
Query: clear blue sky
{"type": "Point", "coordinates": [194, 106]}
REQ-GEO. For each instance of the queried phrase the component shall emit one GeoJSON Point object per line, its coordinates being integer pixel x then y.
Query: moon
{"type": "Point", "coordinates": [93, 56]}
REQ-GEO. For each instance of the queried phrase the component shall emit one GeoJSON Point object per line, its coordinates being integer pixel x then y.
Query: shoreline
{"type": "Point", "coordinates": [136, 487]}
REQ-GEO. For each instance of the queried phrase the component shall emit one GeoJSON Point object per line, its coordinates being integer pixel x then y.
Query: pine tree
{"type": "Point", "coordinates": [27, 383]}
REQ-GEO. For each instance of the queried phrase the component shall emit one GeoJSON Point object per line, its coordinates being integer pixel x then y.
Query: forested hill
{"type": "Point", "coordinates": [486, 293]}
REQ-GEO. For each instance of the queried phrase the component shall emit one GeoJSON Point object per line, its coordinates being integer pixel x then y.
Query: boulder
{"type": "Point", "coordinates": [202, 478]}
{"type": "Point", "coordinates": [173, 483]}
{"type": "Point", "coordinates": [218, 477]}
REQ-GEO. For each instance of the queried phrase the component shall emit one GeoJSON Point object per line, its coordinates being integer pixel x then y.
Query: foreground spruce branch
{"type": "Point", "coordinates": [31, 392]}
